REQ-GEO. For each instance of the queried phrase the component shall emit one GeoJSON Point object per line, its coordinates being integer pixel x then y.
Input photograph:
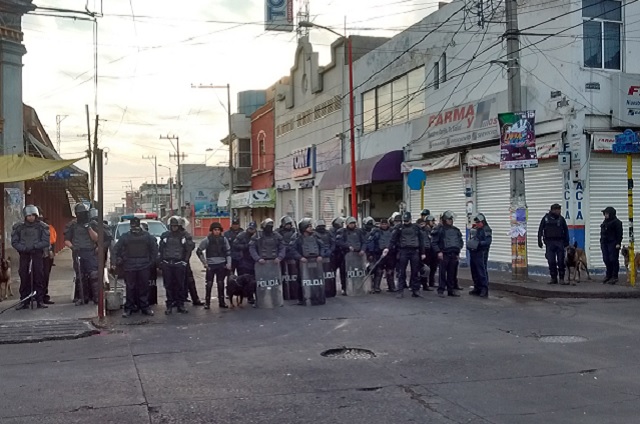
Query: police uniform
{"type": "Point", "coordinates": [136, 251]}
{"type": "Point", "coordinates": [554, 233]}
{"type": "Point", "coordinates": [378, 241]}
{"type": "Point", "coordinates": [408, 241]}
{"type": "Point", "coordinates": [78, 234]}
{"type": "Point", "coordinates": [480, 238]}
{"type": "Point", "coordinates": [347, 240]}
{"type": "Point", "coordinates": [175, 250]}
{"type": "Point", "coordinates": [240, 248]}
{"type": "Point", "coordinates": [267, 245]}
{"type": "Point", "coordinates": [307, 246]}
{"type": "Point", "coordinates": [336, 256]}
{"type": "Point", "coordinates": [31, 239]}
{"type": "Point", "coordinates": [231, 234]}
{"type": "Point", "coordinates": [215, 254]}
{"type": "Point", "coordinates": [328, 240]}
{"type": "Point", "coordinates": [447, 240]}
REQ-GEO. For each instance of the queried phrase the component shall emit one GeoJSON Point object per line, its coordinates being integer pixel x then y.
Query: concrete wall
{"type": "Point", "coordinates": [263, 129]}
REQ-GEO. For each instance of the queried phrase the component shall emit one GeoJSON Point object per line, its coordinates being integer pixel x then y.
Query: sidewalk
{"type": "Point", "coordinates": [536, 286]}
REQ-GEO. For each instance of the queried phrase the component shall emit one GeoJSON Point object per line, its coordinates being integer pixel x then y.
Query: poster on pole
{"type": "Point", "coordinates": [517, 140]}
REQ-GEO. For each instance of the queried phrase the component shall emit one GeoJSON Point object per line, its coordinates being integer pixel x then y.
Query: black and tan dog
{"type": "Point", "coordinates": [625, 255]}
{"type": "Point", "coordinates": [5, 279]}
{"type": "Point", "coordinates": [239, 288]}
{"type": "Point", "coordinates": [576, 260]}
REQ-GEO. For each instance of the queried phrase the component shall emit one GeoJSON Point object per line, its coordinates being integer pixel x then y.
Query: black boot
{"type": "Point", "coordinates": [169, 309]}
{"type": "Point", "coordinates": [207, 296]}
{"type": "Point", "coordinates": [484, 292]}
{"type": "Point", "coordinates": [41, 305]}
{"type": "Point", "coordinates": [475, 292]}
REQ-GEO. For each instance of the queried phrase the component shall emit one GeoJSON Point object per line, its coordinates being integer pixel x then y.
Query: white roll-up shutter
{"type": "Point", "coordinates": [306, 197]}
{"type": "Point", "coordinates": [288, 204]}
{"type": "Point", "coordinates": [544, 186]}
{"type": "Point", "coordinates": [443, 191]}
{"type": "Point", "coordinates": [607, 186]}
{"type": "Point", "coordinates": [328, 206]}
{"type": "Point", "coordinates": [492, 199]}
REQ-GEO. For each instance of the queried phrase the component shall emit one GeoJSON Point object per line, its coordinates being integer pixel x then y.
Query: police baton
{"type": "Point", "coordinates": [20, 302]}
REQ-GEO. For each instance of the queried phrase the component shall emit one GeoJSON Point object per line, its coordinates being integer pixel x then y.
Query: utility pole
{"type": "Point", "coordinates": [101, 252]}
{"type": "Point", "coordinates": [90, 154]}
{"type": "Point", "coordinates": [155, 167]}
{"type": "Point", "coordinates": [59, 119]}
{"type": "Point", "coordinates": [95, 150]}
{"type": "Point", "coordinates": [231, 169]}
{"type": "Point", "coordinates": [178, 157]}
{"type": "Point", "coordinates": [519, 269]}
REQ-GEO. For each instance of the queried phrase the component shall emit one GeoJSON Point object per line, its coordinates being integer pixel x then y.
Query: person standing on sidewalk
{"type": "Point", "coordinates": [554, 233]}
{"type": "Point", "coordinates": [31, 239]}
{"type": "Point", "coordinates": [611, 234]}
{"type": "Point", "coordinates": [215, 254]}
{"type": "Point", "coordinates": [136, 251]}
{"type": "Point", "coordinates": [478, 245]}
{"type": "Point", "coordinates": [176, 246]}
{"type": "Point", "coordinates": [49, 254]}
{"type": "Point", "coordinates": [81, 237]}
{"type": "Point", "coordinates": [446, 241]}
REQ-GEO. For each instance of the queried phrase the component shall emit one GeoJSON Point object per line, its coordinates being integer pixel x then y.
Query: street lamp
{"type": "Point", "coordinates": [170, 186]}
{"type": "Point", "coordinates": [354, 188]}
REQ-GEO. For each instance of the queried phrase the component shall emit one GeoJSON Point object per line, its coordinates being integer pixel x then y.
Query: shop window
{"type": "Point", "coordinates": [602, 29]}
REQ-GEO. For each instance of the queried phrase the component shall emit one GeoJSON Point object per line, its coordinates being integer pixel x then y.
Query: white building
{"type": "Point", "coordinates": [311, 119]}
{"type": "Point", "coordinates": [436, 90]}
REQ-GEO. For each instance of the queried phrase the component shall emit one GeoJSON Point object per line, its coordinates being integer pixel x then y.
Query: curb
{"type": "Point", "coordinates": [564, 294]}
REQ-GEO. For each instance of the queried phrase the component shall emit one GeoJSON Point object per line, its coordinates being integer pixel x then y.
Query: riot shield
{"type": "Point", "coordinates": [268, 285]}
{"type": "Point", "coordinates": [312, 280]}
{"type": "Point", "coordinates": [290, 280]}
{"type": "Point", "coordinates": [329, 278]}
{"type": "Point", "coordinates": [357, 284]}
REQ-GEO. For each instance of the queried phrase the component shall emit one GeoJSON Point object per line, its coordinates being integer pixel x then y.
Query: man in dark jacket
{"type": "Point", "coordinates": [31, 239]}
{"type": "Point", "coordinates": [336, 256]}
{"type": "Point", "coordinates": [267, 245]}
{"type": "Point", "coordinates": [135, 252]}
{"type": "Point", "coordinates": [289, 266]}
{"type": "Point", "coordinates": [408, 241]}
{"type": "Point", "coordinates": [231, 235]}
{"type": "Point", "coordinates": [478, 245]}
{"type": "Point", "coordinates": [446, 242]}
{"type": "Point", "coordinates": [554, 233]}
{"type": "Point", "coordinates": [215, 254]}
{"type": "Point", "coordinates": [379, 241]}
{"type": "Point", "coordinates": [176, 246]}
{"type": "Point", "coordinates": [349, 239]}
{"type": "Point", "coordinates": [81, 237]}
{"type": "Point", "coordinates": [307, 247]}
{"type": "Point", "coordinates": [610, 242]}
{"type": "Point", "coordinates": [240, 248]}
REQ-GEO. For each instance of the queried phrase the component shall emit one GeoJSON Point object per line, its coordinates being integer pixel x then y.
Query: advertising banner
{"type": "Point", "coordinates": [517, 140]}
{"type": "Point", "coordinates": [278, 15]}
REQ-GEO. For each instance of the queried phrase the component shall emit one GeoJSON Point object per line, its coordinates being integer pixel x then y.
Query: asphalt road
{"type": "Point", "coordinates": [436, 360]}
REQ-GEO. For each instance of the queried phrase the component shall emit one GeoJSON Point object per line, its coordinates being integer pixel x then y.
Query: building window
{"type": "Point", "coordinates": [602, 29]}
{"type": "Point", "coordinates": [242, 155]}
{"type": "Point", "coordinates": [369, 121]}
{"type": "Point", "coordinates": [262, 153]}
{"type": "Point", "coordinates": [384, 106]}
{"type": "Point", "coordinates": [400, 92]}
{"type": "Point", "coordinates": [443, 67]}
{"type": "Point", "coordinates": [436, 75]}
{"type": "Point", "coordinates": [415, 81]}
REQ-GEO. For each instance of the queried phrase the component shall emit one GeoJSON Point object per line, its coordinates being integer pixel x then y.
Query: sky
{"type": "Point", "coordinates": [150, 52]}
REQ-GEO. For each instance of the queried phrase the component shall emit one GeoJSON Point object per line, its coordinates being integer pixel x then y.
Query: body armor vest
{"type": "Point", "coordinates": [268, 247]}
{"type": "Point", "coordinates": [174, 250]}
{"type": "Point", "coordinates": [137, 246]}
{"type": "Point", "coordinates": [353, 239]}
{"type": "Point", "coordinates": [409, 237]}
{"type": "Point", "coordinates": [30, 235]}
{"type": "Point", "coordinates": [216, 247]}
{"type": "Point", "coordinates": [385, 239]}
{"type": "Point", "coordinates": [450, 239]}
{"type": "Point", "coordinates": [310, 247]}
{"type": "Point", "coordinates": [325, 237]}
{"type": "Point", "coordinates": [553, 228]}
{"type": "Point", "coordinates": [81, 239]}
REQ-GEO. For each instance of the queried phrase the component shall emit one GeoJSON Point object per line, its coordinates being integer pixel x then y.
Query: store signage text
{"type": "Point", "coordinates": [303, 163]}
{"type": "Point", "coordinates": [579, 198]}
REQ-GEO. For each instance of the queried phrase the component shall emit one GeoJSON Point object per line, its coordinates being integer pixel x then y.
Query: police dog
{"type": "Point", "coordinates": [5, 278]}
{"type": "Point", "coordinates": [239, 288]}
{"type": "Point", "coordinates": [625, 255]}
{"type": "Point", "coordinates": [576, 259]}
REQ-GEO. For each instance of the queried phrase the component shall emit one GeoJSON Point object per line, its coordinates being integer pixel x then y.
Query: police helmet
{"type": "Point", "coordinates": [425, 212]}
{"type": "Point", "coordinates": [30, 210]}
{"type": "Point", "coordinates": [338, 222]}
{"type": "Point", "coordinates": [215, 225]}
{"type": "Point", "coordinates": [79, 208]}
{"type": "Point", "coordinates": [174, 220]}
{"type": "Point", "coordinates": [430, 218]}
{"type": "Point", "coordinates": [93, 213]}
{"type": "Point", "coordinates": [304, 224]}
{"type": "Point", "coordinates": [320, 223]}
{"type": "Point", "coordinates": [368, 221]}
{"type": "Point", "coordinates": [351, 220]}
{"type": "Point", "coordinates": [134, 223]}
{"type": "Point", "coordinates": [406, 217]}
{"type": "Point", "coordinates": [235, 221]}
{"type": "Point", "coordinates": [395, 217]}
{"type": "Point", "coordinates": [448, 215]}
{"type": "Point", "coordinates": [266, 223]}
{"type": "Point", "coordinates": [286, 220]}
{"type": "Point", "coordinates": [479, 217]}
{"type": "Point", "coordinates": [384, 221]}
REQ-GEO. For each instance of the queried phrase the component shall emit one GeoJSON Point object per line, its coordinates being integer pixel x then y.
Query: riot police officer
{"type": "Point", "coordinates": [215, 254]}
{"type": "Point", "coordinates": [108, 237]}
{"type": "Point", "coordinates": [325, 236]}
{"type": "Point", "coordinates": [408, 242]}
{"type": "Point", "coordinates": [307, 247]}
{"type": "Point", "coordinates": [378, 241]}
{"type": "Point", "coordinates": [81, 237]}
{"type": "Point", "coordinates": [349, 239]}
{"type": "Point", "coordinates": [136, 251]}
{"type": "Point", "coordinates": [176, 246]}
{"type": "Point", "coordinates": [432, 256]}
{"type": "Point", "coordinates": [328, 264]}
{"type": "Point", "coordinates": [240, 248]}
{"type": "Point", "coordinates": [426, 262]}
{"type": "Point", "coordinates": [368, 224]}
{"type": "Point", "coordinates": [231, 235]}
{"type": "Point", "coordinates": [267, 244]}
{"type": "Point", "coordinates": [447, 242]}
{"type": "Point", "coordinates": [478, 245]}
{"type": "Point", "coordinates": [31, 240]}
{"type": "Point", "coordinates": [336, 257]}
{"type": "Point", "coordinates": [289, 267]}
{"type": "Point", "coordinates": [554, 233]}
{"type": "Point", "coordinates": [424, 214]}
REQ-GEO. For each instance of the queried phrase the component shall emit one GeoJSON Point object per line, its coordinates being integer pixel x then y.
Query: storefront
{"type": "Point", "coordinates": [254, 205]}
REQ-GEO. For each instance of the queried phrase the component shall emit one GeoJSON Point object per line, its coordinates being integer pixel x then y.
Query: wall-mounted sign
{"type": "Point", "coordinates": [304, 163]}
{"type": "Point", "coordinates": [626, 100]}
{"type": "Point", "coordinates": [278, 15]}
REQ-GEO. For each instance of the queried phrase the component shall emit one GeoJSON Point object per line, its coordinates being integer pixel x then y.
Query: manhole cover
{"type": "Point", "coordinates": [348, 353]}
{"type": "Point", "coordinates": [12, 332]}
{"type": "Point", "coordinates": [562, 339]}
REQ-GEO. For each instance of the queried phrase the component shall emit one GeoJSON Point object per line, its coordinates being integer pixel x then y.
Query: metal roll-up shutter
{"type": "Point", "coordinates": [289, 203]}
{"type": "Point", "coordinates": [328, 206]}
{"type": "Point", "coordinates": [307, 203]}
{"type": "Point", "coordinates": [415, 203]}
{"type": "Point", "coordinates": [444, 191]}
{"type": "Point", "coordinates": [544, 186]}
{"type": "Point", "coordinates": [607, 186]}
{"type": "Point", "coordinates": [492, 199]}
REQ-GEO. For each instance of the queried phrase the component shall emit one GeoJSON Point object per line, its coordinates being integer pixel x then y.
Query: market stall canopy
{"type": "Point", "coordinates": [18, 167]}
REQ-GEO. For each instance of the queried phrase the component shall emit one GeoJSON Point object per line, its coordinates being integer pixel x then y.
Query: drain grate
{"type": "Point", "coordinates": [349, 353]}
{"type": "Point", "coordinates": [562, 339]}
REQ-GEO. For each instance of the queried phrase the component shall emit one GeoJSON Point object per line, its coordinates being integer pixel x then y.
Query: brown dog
{"type": "Point", "coordinates": [5, 278]}
{"type": "Point", "coordinates": [625, 255]}
{"type": "Point", "coordinates": [576, 259]}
